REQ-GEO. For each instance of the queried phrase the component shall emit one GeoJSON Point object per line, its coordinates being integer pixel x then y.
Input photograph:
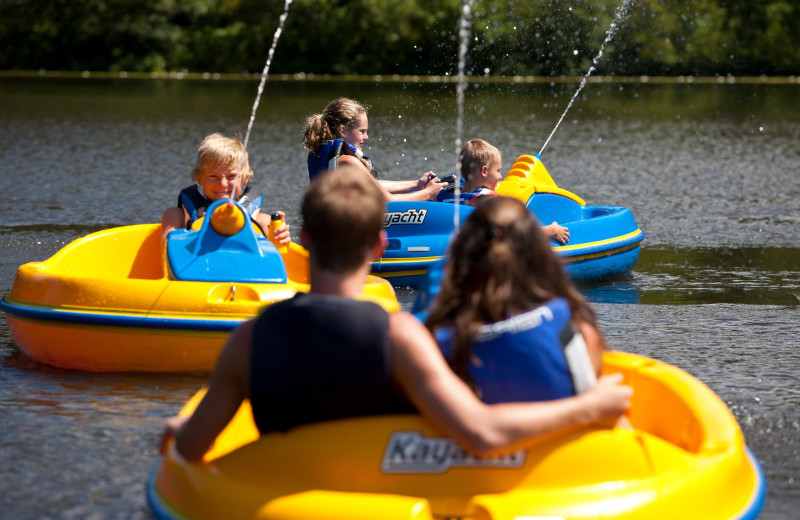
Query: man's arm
{"type": "Point", "coordinates": [228, 387]}
{"type": "Point", "coordinates": [421, 370]}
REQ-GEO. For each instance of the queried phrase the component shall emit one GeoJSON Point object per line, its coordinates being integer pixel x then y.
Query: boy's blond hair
{"type": "Point", "coordinates": [476, 154]}
{"type": "Point", "coordinates": [219, 151]}
{"type": "Point", "coordinates": [343, 214]}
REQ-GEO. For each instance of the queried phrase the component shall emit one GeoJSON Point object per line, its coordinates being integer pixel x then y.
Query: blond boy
{"type": "Point", "coordinates": [222, 172]}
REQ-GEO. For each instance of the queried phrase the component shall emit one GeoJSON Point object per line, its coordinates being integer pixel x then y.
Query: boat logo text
{"type": "Point", "coordinates": [412, 452]}
{"type": "Point", "coordinates": [409, 216]}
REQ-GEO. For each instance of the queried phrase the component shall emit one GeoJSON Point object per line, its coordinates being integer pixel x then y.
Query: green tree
{"type": "Point", "coordinates": [508, 37]}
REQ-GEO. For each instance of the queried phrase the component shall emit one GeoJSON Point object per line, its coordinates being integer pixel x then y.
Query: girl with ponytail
{"type": "Point", "coordinates": [336, 137]}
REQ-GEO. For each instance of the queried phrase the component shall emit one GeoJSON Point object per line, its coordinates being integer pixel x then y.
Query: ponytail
{"type": "Point", "coordinates": [316, 132]}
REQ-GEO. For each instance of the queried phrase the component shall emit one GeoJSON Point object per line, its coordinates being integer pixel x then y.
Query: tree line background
{"type": "Point", "coordinates": [518, 37]}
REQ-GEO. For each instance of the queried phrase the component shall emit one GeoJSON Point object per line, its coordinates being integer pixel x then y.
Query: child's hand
{"type": "Point", "coordinates": [434, 187]}
{"type": "Point", "coordinates": [425, 179]}
{"type": "Point", "coordinates": [557, 232]}
{"type": "Point", "coordinates": [282, 235]}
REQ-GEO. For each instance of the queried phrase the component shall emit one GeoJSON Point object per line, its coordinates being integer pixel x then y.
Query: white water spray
{"type": "Point", "coordinates": [264, 74]}
{"type": "Point", "coordinates": [463, 36]}
{"type": "Point", "coordinates": [619, 16]}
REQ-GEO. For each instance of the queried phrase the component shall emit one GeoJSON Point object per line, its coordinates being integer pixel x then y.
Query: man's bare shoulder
{"type": "Point", "coordinates": [409, 336]}
{"type": "Point", "coordinates": [404, 325]}
{"type": "Point", "coordinates": [242, 336]}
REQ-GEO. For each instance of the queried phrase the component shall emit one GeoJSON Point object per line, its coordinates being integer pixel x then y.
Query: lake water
{"type": "Point", "coordinates": [709, 170]}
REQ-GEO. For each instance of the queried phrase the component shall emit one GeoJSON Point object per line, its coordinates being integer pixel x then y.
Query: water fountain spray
{"type": "Point", "coordinates": [463, 36]}
{"type": "Point", "coordinates": [619, 16]}
{"type": "Point", "coordinates": [264, 75]}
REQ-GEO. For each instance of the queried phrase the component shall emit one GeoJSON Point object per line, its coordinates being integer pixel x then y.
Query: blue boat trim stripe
{"type": "Point", "coordinates": [160, 510]}
{"type": "Point", "coordinates": [574, 260]}
{"type": "Point", "coordinates": [413, 259]}
{"type": "Point", "coordinates": [756, 503]}
{"type": "Point", "coordinates": [119, 320]}
{"type": "Point", "coordinates": [394, 274]}
{"type": "Point", "coordinates": [414, 266]}
{"type": "Point", "coordinates": [602, 246]}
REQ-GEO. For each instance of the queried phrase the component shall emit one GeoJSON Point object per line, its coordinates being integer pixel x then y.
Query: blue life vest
{"type": "Point", "coordinates": [521, 358]}
{"type": "Point", "coordinates": [195, 202]}
{"type": "Point", "coordinates": [465, 197]}
{"type": "Point", "coordinates": [327, 157]}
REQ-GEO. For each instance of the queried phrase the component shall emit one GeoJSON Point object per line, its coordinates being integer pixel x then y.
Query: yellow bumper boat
{"type": "Point", "coordinates": [118, 300]}
{"type": "Point", "coordinates": [685, 458]}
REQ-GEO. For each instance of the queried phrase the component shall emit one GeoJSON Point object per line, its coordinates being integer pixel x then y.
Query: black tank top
{"type": "Point", "coordinates": [318, 358]}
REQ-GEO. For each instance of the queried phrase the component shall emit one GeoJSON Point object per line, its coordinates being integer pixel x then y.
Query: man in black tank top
{"type": "Point", "coordinates": [326, 355]}
{"type": "Point", "coordinates": [337, 368]}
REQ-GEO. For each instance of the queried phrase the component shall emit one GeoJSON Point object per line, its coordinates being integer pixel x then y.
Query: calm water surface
{"type": "Point", "coordinates": [710, 172]}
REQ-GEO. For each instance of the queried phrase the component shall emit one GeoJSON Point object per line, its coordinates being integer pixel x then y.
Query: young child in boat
{"type": "Point", "coordinates": [327, 354]}
{"type": "Point", "coordinates": [222, 167]}
{"type": "Point", "coordinates": [507, 317]}
{"type": "Point", "coordinates": [480, 168]}
{"type": "Point", "coordinates": [337, 136]}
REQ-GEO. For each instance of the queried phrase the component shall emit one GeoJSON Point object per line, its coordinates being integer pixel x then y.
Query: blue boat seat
{"type": "Point", "coordinates": [207, 256]}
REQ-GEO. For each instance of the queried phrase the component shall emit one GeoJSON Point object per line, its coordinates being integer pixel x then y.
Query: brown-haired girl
{"type": "Point", "coordinates": [336, 137]}
{"type": "Point", "coordinates": [507, 317]}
